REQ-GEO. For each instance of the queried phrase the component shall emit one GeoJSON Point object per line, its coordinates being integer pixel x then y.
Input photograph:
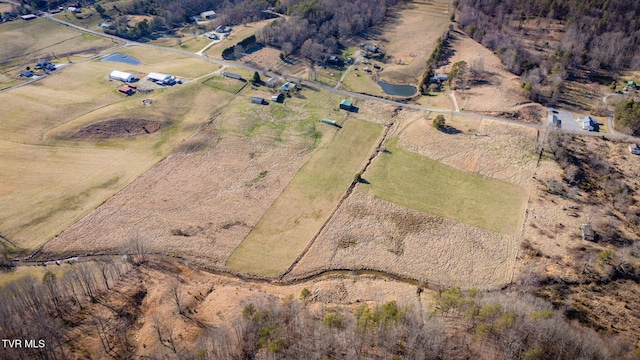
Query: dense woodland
{"type": "Point", "coordinates": [598, 36]}
{"type": "Point", "coordinates": [317, 27]}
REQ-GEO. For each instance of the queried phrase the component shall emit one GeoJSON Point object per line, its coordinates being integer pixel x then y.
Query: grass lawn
{"type": "Point", "coordinates": [296, 216]}
{"type": "Point", "coordinates": [420, 183]}
{"type": "Point", "coordinates": [222, 83]}
{"type": "Point", "coordinates": [166, 62]}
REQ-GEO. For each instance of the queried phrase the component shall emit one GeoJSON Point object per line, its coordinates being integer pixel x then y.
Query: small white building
{"type": "Point", "coordinates": [587, 123]}
{"type": "Point", "coordinates": [634, 149]}
{"type": "Point", "coordinates": [162, 79]}
{"type": "Point", "coordinates": [208, 15]}
{"type": "Point", "coordinates": [122, 76]}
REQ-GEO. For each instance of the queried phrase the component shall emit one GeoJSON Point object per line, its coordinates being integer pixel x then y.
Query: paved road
{"type": "Point", "coordinates": [569, 130]}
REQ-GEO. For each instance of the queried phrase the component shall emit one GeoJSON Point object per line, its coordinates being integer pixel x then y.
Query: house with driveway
{"type": "Point", "coordinates": [587, 123]}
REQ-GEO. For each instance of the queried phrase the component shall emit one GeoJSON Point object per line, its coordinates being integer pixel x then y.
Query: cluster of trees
{"type": "Point", "coordinates": [465, 325]}
{"type": "Point", "coordinates": [598, 35]}
{"type": "Point", "coordinates": [436, 57]}
{"type": "Point", "coordinates": [235, 51]}
{"type": "Point", "coordinates": [316, 27]}
{"type": "Point", "coordinates": [628, 116]}
{"type": "Point", "coordinates": [46, 309]}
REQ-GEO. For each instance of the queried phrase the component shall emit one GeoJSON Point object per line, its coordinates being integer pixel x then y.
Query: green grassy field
{"type": "Point", "coordinates": [420, 183]}
{"type": "Point", "coordinates": [49, 180]}
{"type": "Point", "coordinates": [299, 212]}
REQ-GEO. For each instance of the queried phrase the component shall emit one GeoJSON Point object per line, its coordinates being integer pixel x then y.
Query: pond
{"type": "Point", "coordinates": [117, 57]}
{"type": "Point", "coordinates": [397, 90]}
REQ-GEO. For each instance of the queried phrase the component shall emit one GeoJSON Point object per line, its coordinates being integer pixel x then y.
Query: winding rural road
{"type": "Point", "coordinates": [312, 84]}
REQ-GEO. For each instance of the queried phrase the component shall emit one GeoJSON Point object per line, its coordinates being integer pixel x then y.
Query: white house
{"type": "Point", "coordinates": [162, 79]}
{"type": "Point", "coordinates": [208, 15]}
{"type": "Point", "coordinates": [122, 76]}
{"type": "Point", "coordinates": [587, 123]}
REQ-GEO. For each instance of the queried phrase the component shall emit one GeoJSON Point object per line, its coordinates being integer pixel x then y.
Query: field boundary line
{"type": "Point", "coordinates": [344, 197]}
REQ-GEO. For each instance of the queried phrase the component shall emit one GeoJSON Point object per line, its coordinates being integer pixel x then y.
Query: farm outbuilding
{"type": "Point", "coordinates": [122, 76]}
{"type": "Point", "coordinates": [162, 79]}
{"type": "Point", "coordinates": [208, 15]}
{"type": "Point", "coordinates": [554, 121]}
{"type": "Point", "coordinates": [288, 86]}
{"type": "Point", "coordinates": [28, 17]}
{"type": "Point", "coordinates": [346, 105]}
{"type": "Point", "coordinates": [232, 75]}
{"type": "Point", "coordinates": [279, 97]}
{"type": "Point", "coordinates": [258, 100]}
{"type": "Point", "coordinates": [271, 82]}
{"type": "Point", "coordinates": [127, 90]}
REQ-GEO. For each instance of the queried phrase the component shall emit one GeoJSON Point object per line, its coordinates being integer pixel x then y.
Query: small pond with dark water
{"type": "Point", "coordinates": [117, 57]}
{"type": "Point", "coordinates": [397, 90]}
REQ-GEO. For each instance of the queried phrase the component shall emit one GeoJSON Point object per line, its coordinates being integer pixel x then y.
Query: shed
{"type": "Point", "coordinates": [587, 232]}
{"type": "Point", "coordinates": [28, 17]}
{"type": "Point", "coordinates": [122, 76]}
{"type": "Point", "coordinates": [258, 100]}
{"type": "Point", "coordinates": [279, 97]}
{"type": "Point", "coordinates": [208, 15]}
{"type": "Point", "coordinates": [329, 121]}
{"type": "Point", "coordinates": [271, 82]}
{"type": "Point", "coordinates": [631, 84]}
{"type": "Point", "coordinates": [288, 86]}
{"type": "Point", "coordinates": [162, 79]}
{"type": "Point", "coordinates": [232, 75]}
{"type": "Point", "coordinates": [25, 73]}
{"type": "Point", "coordinates": [554, 121]}
{"type": "Point", "coordinates": [346, 105]}
{"type": "Point", "coordinates": [634, 149]}
{"type": "Point", "coordinates": [127, 90]}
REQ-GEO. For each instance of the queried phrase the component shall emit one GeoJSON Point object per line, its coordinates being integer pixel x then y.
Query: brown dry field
{"type": "Point", "coordinates": [4, 7]}
{"type": "Point", "coordinates": [199, 203]}
{"type": "Point", "coordinates": [369, 233]}
{"type": "Point", "coordinates": [410, 37]}
{"type": "Point", "coordinates": [557, 249]}
{"type": "Point", "coordinates": [552, 229]}
{"type": "Point", "coordinates": [265, 58]}
{"type": "Point", "coordinates": [502, 92]}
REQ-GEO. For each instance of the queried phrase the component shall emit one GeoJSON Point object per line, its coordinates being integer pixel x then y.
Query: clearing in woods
{"type": "Point", "coordinates": [408, 40]}
{"type": "Point", "coordinates": [420, 183]}
{"type": "Point", "coordinates": [299, 212]}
